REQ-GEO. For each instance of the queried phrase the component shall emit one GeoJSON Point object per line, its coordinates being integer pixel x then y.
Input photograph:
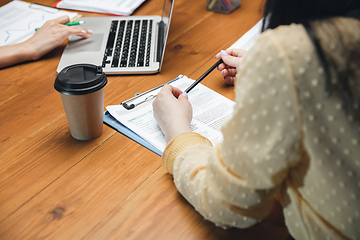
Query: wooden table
{"type": "Point", "coordinates": [55, 187]}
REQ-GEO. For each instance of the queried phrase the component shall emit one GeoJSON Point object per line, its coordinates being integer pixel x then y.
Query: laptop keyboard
{"type": "Point", "coordinates": [128, 44]}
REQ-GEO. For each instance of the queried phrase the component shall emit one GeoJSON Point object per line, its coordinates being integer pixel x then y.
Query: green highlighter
{"type": "Point", "coordinates": [69, 24]}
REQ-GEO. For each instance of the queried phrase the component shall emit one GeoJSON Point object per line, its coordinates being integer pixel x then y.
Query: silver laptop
{"type": "Point", "coordinates": [121, 45]}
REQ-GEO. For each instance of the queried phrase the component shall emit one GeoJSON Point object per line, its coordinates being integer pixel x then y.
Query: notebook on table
{"type": "Point", "coordinates": [122, 45]}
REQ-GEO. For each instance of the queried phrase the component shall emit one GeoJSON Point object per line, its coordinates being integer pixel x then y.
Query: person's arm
{"type": "Point", "coordinates": [49, 36]}
{"type": "Point", "coordinates": [234, 183]}
{"type": "Point", "coordinates": [15, 53]}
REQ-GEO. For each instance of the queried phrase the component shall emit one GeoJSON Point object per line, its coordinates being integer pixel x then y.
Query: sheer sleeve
{"type": "Point", "coordinates": [233, 183]}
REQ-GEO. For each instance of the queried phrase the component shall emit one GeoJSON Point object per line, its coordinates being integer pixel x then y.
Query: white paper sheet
{"type": "Point", "coordinates": [210, 111]}
{"type": "Point", "coordinates": [19, 19]}
{"type": "Point", "coordinates": [118, 7]}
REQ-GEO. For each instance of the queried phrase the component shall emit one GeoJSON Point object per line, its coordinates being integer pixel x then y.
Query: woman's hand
{"type": "Point", "coordinates": [232, 60]}
{"type": "Point", "coordinates": [52, 34]}
{"type": "Point", "coordinates": [172, 111]}
{"type": "Point", "coordinates": [48, 37]}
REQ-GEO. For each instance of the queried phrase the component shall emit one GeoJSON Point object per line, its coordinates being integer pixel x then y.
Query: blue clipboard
{"type": "Point", "coordinates": [112, 122]}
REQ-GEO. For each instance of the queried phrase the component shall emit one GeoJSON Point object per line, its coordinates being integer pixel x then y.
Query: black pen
{"type": "Point", "coordinates": [203, 76]}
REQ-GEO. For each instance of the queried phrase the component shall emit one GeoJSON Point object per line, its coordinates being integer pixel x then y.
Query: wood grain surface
{"type": "Point", "coordinates": [55, 187]}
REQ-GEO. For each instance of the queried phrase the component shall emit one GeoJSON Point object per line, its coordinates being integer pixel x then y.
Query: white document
{"type": "Point", "coordinates": [19, 19]}
{"type": "Point", "coordinates": [249, 38]}
{"type": "Point", "coordinates": [118, 7]}
{"type": "Point", "coordinates": [210, 111]}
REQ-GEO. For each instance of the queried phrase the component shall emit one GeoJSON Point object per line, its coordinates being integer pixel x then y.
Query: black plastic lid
{"type": "Point", "coordinates": [80, 79]}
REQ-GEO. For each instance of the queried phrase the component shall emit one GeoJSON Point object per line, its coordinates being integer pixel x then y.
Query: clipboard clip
{"type": "Point", "coordinates": [128, 104]}
{"type": "Point", "coordinates": [133, 105]}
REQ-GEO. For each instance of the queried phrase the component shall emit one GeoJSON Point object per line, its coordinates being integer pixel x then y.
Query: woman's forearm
{"type": "Point", "coordinates": [15, 53]}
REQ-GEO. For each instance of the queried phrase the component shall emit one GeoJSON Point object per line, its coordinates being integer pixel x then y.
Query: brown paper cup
{"type": "Point", "coordinates": [84, 114]}
{"type": "Point", "coordinates": [81, 88]}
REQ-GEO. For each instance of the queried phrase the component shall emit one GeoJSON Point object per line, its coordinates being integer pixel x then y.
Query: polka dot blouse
{"type": "Point", "coordinates": [287, 137]}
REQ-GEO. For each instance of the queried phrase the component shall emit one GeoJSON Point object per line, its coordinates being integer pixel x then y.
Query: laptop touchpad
{"type": "Point", "coordinates": [91, 44]}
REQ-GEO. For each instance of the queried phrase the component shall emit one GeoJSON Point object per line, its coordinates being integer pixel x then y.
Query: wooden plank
{"type": "Point", "coordinates": [76, 200]}
{"type": "Point", "coordinates": [41, 159]}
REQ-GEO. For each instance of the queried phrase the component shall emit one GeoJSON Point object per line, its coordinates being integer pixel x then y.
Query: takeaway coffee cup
{"type": "Point", "coordinates": [81, 87]}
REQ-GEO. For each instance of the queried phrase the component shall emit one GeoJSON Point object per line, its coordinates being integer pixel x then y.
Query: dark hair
{"type": "Point", "coordinates": [305, 12]}
{"type": "Point", "coordinates": [285, 12]}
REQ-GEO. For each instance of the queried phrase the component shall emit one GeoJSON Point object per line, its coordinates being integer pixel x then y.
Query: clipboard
{"type": "Point", "coordinates": [210, 111]}
{"type": "Point", "coordinates": [115, 124]}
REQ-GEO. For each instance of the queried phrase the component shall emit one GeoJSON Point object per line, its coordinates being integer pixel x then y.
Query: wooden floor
{"type": "Point", "coordinates": [55, 187]}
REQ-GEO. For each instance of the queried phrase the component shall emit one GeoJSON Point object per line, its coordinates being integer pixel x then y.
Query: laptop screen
{"type": "Point", "coordinates": [164, 26]}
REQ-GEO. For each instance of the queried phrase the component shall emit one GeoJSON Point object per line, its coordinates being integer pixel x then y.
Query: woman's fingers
{"type": "Point", "coordinates": [231, 72]}
{"type": "Point", "coordinates": [81, 32]}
